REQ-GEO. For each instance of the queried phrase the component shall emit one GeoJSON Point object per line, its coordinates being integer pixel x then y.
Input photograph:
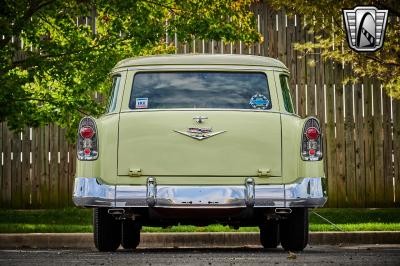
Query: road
{"type": "Point", "coordinates": [316, 255]}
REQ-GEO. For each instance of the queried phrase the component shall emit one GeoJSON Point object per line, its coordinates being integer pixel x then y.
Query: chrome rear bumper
{"type": "Point", "coordinates": [308, 192]}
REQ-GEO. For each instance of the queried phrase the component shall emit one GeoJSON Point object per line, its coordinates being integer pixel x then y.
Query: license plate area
{"type": "Point", "coordinates": [200, 196]}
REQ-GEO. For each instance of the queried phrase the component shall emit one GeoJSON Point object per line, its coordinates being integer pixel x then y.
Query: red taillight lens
{"type": "Point", "coordinates": [86, 132]}
{"type": "Point", "coordinates": [312, 133]}
{"type": "Point", "coordinates": [86, 151]}
{"type": "Point", "coordinates": [87, 144]}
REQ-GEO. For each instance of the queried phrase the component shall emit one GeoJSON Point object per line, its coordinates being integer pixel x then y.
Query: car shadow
{"type": "Point", "coordinates": [217, 250]}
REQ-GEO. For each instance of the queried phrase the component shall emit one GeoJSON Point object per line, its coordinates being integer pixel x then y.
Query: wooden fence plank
{"type": "Point", "coordinates": [301, 72]}
{"type": "Point", "coordinates": [43, 161]}
{"type": "Point", "coordinates": [258, 13]}
{"type": "Point", "coordinates": [16, 182]}
{"type": "Point", "coordinates": [211, 47]}
{"type": "Point", "coordinates": [272, 35]}
{"type": "Point", "coordinates": [71, 171]}
{"type": "Point", "coordinates": [330, 137]}
{"type": "Point", "coordinates": [262, 23]}
{"type": "Point", "coordinates": [26, 170]}
{"type": "Point", "coordinates": [63, 170]}
{"type": "Point", "coordinates": [199, 46]}
{"type": "Point", "coordinates": [35, 168]}
{"type": "Point", "coordinates": [53, 173]}
{"type": "Point", "coordinates": [235, 47]}
{"type": "Point", "coordinates": [320, 82]}
{"type": "Point", "coordinates": [310, 75]}
{"type": "Point", "coordinates": [282, 51]}
{"type": "Point", "coordinates": [359, 146]}
{"type": "Point", "coordinates": [396, 149]}
{"type": "Point", "coordinates": [6, 186]}
{"type": "Point", "coordinates": [387, 151]}
{"type": "Point", "coordinates": [350, 161]}
{"type": "Point", "coordinates": [291, 57]}
{"type": "Point", "coordinates": [267, 28]}
{"type": "Point", "coordinates": [369, 145]}
{"type": "Point", "coordinates": [340, 137]}
{"type": "Point", "coordinates": [378, 146]}
{"type": "Point", "coordinates": [216, 47]}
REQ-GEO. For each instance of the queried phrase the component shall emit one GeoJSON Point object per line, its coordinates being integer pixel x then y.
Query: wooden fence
{"type": "Point", "coordinates": [361, 125]}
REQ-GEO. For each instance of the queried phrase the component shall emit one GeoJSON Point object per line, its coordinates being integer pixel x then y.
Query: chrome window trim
{"type": "Point", "coordinates": [113, 95]}
{"type": "Point", "coordinates": [198, 109]}
{"type": "Point", "coordinates": [150, 70]}
{"type": "Point", "coordinates": [208, 110]}
{"type": "Point", "coordinates": [204, 67]}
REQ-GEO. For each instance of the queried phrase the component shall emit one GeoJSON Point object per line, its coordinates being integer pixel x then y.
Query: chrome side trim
{"type": "Point", "coordinates": [307, 192]}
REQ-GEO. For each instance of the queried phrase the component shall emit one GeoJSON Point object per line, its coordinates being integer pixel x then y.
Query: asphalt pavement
{"type": "Point", "coordinates": [312, 255]}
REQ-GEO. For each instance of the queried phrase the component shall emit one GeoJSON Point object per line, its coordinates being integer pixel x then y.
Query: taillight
{"type": "Point", "coordinates": [86, 132]}
{"type": "Point", "coordinates": [312, 133]}
{"type": "Point", "coordinates": [311, 141]}
{"type": "Point", "coordinates": [87, 146]}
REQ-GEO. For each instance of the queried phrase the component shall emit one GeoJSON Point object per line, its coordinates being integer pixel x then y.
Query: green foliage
{"type": "Point", "coordinates": [324, 18]}
{"type": "Point", "coordinates": [51, 73]}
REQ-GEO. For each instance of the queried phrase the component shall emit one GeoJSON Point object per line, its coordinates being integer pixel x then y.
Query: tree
{"type": "Point", "coordinates": [324, 18]}
{"type": "Point", "coordinates": [52, 65]}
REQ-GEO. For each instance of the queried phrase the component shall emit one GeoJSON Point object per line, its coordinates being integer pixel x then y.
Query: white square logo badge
{"type": "Point", "coordinates": [142, 103]}
{"type": "Point", "coordinates": [365, 26]}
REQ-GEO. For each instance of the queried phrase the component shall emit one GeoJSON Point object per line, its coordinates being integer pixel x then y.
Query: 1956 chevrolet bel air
{"type": "Point", "coordinates": [200, 139]}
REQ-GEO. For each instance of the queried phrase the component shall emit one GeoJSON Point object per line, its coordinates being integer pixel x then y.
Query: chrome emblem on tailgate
{"type": "Point", "coordinates": [199, 133]}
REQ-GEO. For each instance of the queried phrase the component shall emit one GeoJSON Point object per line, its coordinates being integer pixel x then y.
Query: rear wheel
{"type": "Point", "coordinates": [130, 234]}
{"type": "Point", "coordinates": [294, 230]}
{"type": "Point", "coordinates": [106, 230]}
{"type": "Point", "coordinates": [269, 234]}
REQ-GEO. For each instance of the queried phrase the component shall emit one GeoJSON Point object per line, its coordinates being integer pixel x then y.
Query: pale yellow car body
{"type": "Point", "coordinates": [136, 144]}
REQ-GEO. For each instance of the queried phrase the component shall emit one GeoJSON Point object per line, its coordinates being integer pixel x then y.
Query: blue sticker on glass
{"type": "Point", "coordinates": [259, 101]}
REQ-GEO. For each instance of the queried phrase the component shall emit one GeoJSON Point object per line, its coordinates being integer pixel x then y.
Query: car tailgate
{"type": "Point", "coordinates": [154, 143]}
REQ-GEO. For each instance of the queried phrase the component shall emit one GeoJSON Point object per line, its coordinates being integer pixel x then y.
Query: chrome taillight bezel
{"type": "Point", "coordinates": [306, 143]}
{"type": "Point", "coordinates": [92, 143]}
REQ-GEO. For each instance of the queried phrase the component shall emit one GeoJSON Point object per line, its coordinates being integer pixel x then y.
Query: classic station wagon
{"type": "Point", "coordinates": [200, 139]}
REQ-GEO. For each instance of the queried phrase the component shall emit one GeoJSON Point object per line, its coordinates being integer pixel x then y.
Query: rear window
{"type": "Point", "coordinates": [233, 90]}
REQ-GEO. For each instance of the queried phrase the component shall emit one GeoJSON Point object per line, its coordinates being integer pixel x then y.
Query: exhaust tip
{"type": "Point", "coordinates": [283, 210]}
{"type": "Point", "coordinates": [116, 211]}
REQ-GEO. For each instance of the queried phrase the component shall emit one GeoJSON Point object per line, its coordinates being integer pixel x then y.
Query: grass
{"type": "Point", "coordinates": [79, 220]}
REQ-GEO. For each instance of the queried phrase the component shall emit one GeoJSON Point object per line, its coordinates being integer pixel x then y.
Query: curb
{"type": "Point", "coordinates": [190, 240]}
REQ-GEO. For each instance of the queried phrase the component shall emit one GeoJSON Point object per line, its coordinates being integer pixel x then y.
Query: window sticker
{"type": "Point", "coordinates": [142, 103]}
{"type": "Point", "coordinates": [259, 101]}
